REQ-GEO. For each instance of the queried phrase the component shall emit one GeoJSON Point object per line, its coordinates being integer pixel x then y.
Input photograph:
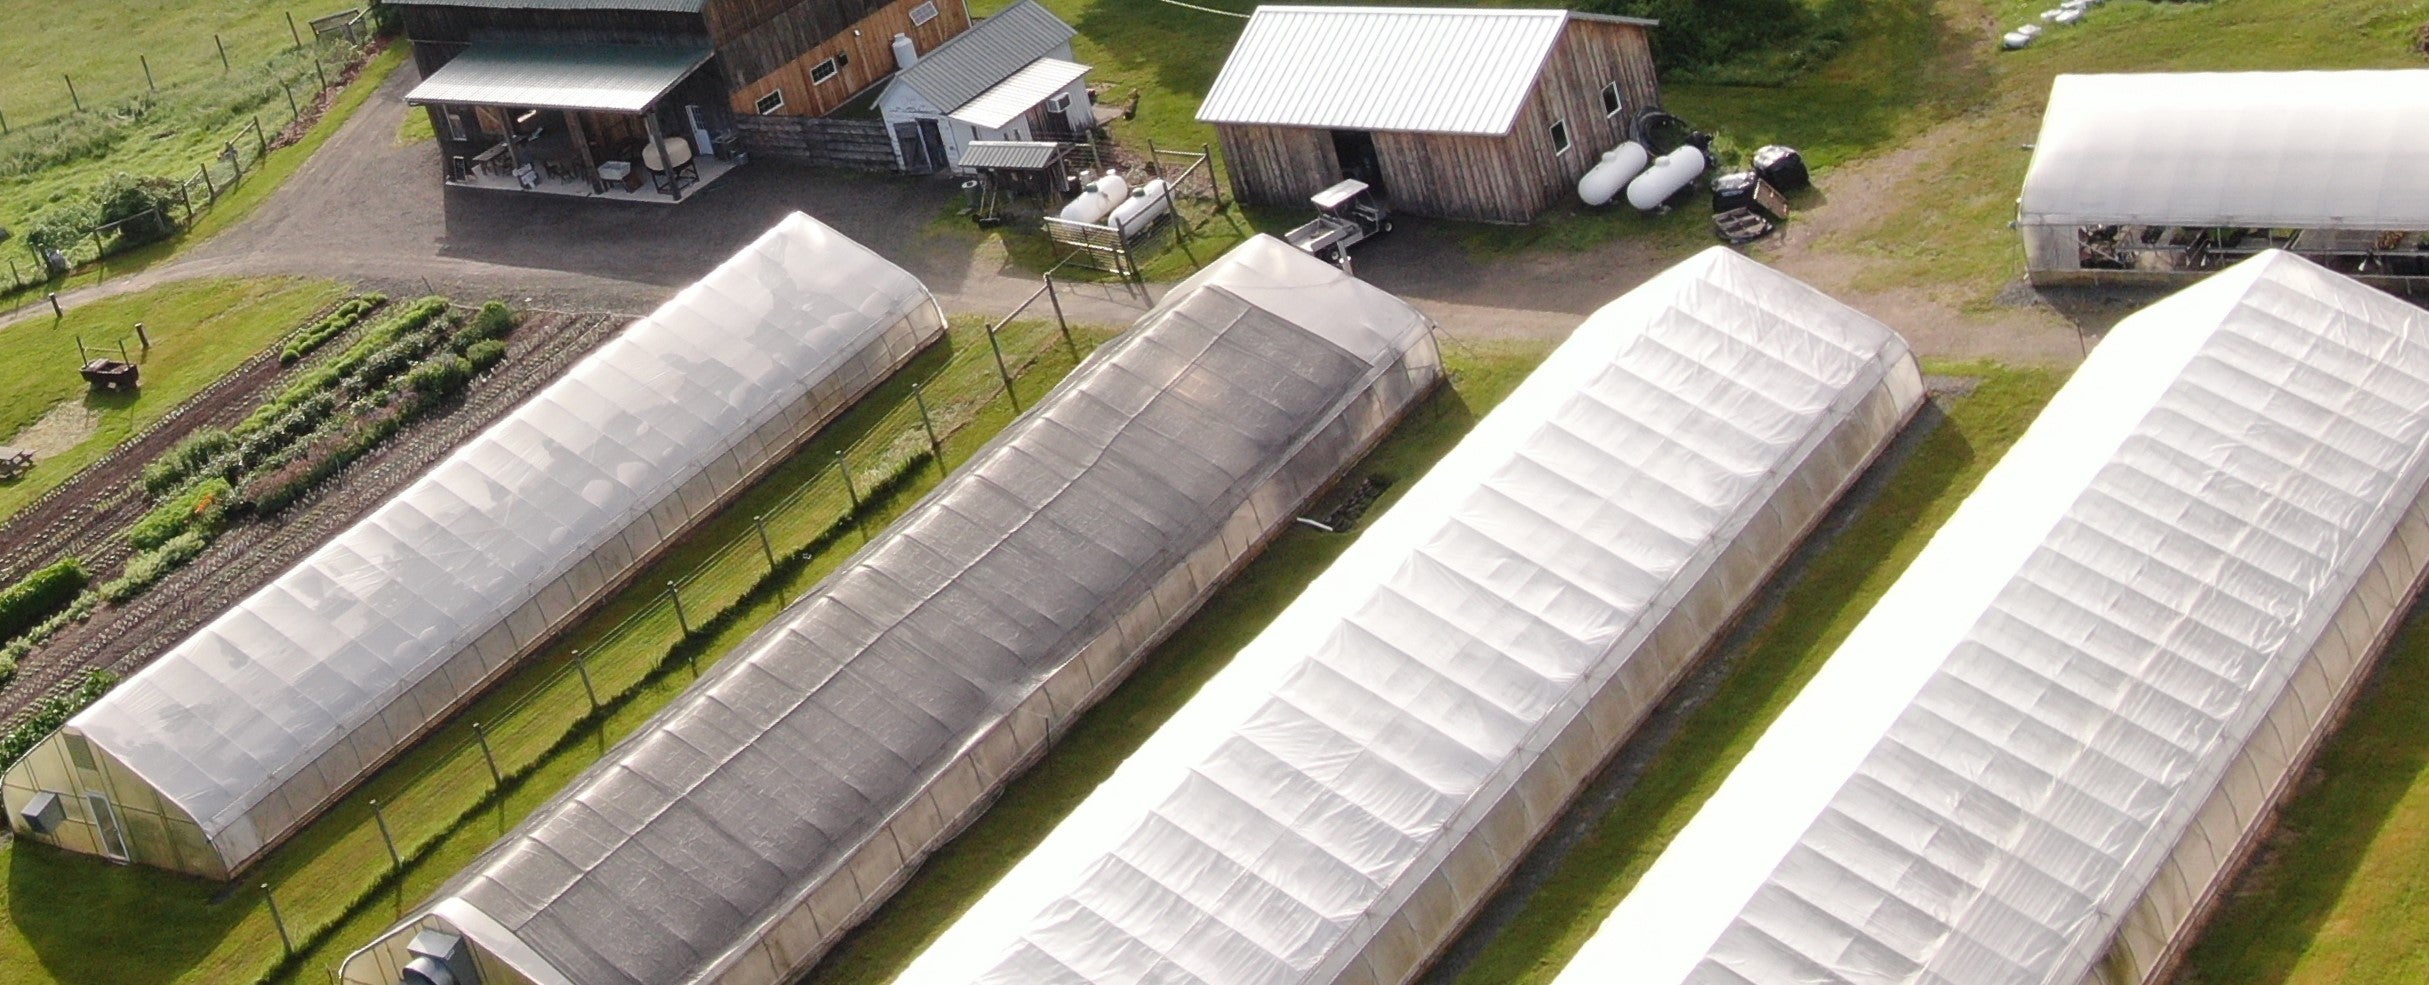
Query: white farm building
{"type": "Point", "coordinates": [1342, 796]}
{"type": "Point", "coordinates": [2043, 753]}
{"type": "Point", "coordinates": [2163, 178]}
{"type": "Point", "coordinates": [1012, 77]}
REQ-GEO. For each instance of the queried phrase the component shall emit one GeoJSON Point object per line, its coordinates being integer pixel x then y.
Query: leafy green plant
{"type": "Point", "coordinates": [147, 567]}
{"type": "Point", "coordinates": [143, 207]}
{"type": "Point", "coordinates": [494, 321]}
{"type": "Point", "coordinates": [202, 507]}
{"type": "Point", "coordinates": [36, 596]}
{"type": "Point", "coordinates": [440, 376]}
{"type": "Point", "coordinates": [188, 459]}
{"type": "Point", "coordinates": [485, 353]}
{"type": "Point", "coordinates": [336, 323]}
{"type": "Point", "coordinates": [83, 607]}
{"type": "Point", "coordinates": [53, 712]}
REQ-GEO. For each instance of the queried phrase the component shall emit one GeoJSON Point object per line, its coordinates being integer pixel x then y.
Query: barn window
{"type": "Point", "coordinates": [825, 70]}
{"type": "Point", "coordinates": [1611, 104]}
{"type": "Point", "coordinates": [923, 13]}
{"type": "Point", "coordinates": [1560, 136]}
{"type": "Point", "coordinates": [772, 103]}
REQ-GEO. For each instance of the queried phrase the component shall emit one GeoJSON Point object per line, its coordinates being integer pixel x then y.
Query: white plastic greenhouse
{"type": "Point", "coordinates": [755, 820]}
{"type": "Point", "coordinates": [243, 732]}
{"type": "Point", "coordinates": [2167, 177]}
{"type": "Point", "coordinates": [1340, 799]}
{"type": "Point", "coordinates": [2040, 757]}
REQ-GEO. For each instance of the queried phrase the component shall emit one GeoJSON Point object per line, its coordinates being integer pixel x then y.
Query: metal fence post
{"type": "Point", "coordinates": [936, 449]}
{"type": "Point", "coordinates": [496, 779]}
{"type": "Point", "coordinates": [582, 667]}
{"type": "Point", "coordinates": [682, 620]}
{"type": "Point", "coordinates": [759, 523]}
{"type": "Point", "coordinates": [395, 861]}
{"type": "Point", "coordinates": [850, 489]}
{"type": "Point", "coordinates": [276, 919]}
{"type": "Point", "coordinates": [1055, 297]}
{"type": "Point", "coordinates": [1001, 370]}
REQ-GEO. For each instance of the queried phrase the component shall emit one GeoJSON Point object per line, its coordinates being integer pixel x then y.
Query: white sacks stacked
{"type": "Point", "coordinates": [755, 820]}
{"type": "Point", "coordinates": [2038, 756]}
{"type": "Point", "coordinates": [248, 729]}
{"type": "Point", "coordinates": [1338, 800]}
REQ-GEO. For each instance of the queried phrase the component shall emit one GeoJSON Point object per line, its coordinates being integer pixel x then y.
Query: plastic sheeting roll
{"type": "Point", "coordinates": [1618, 165]}
{"type": "Point", "coordinates": [1669, 173]}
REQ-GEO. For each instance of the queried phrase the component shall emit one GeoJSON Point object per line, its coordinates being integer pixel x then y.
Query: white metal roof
{"type": "Point", "coordinates": [2258, 149]}
{"type": "Point", "coordinates": [1010, 99]}
{"type": "Point", "coordinates": [1268, 830]}
{"type": "Point", "coordinates": [982, 57]}
{"type": "Point", "coordinates": [1420, 69]}
{"type": "Point", "coordinates": [266, 688]}
{"type": "Point", "coordinates": [1983, 779]}
{"type": "Point", "coordinates": [621, 78]}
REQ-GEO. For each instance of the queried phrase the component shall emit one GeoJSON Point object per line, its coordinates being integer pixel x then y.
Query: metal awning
{"type": "Point", "coordinates": [1008, 100]}
{"type": "Point", "coordinates": [1012, 155]}
{"type": "Point", "coordinates": [618, 78]}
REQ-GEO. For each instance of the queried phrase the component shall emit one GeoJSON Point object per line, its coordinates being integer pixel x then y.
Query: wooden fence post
{"type": "Point", "coordinates": [582, 666]}
{"type": "Point", "coordinates": [223, 54]}
{"type": "Point", "coordinates": [276, 919]}
{"type": "Point", "coordinates": [936, 449]}
{"type": "Point", "coordinates": [496, 779]}
{"type": "Point", "coordinates": [396, 862]}
{"type": "Point", "coordinates": [205, 170]}
{"type": "Point", "coordinates": [147, 74]}
{"type": "Point", "coordinates": [261, 144]}
{"type": "Point", "coordinates": [292, 32]}
{"type": "Point", "coordinates": [71, 92]}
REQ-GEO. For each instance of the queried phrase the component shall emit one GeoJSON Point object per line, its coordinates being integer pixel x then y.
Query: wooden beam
{"type": "Point", "coordinates": [657, 139]}
{"type": "Point", "coordinates": [581, 139]}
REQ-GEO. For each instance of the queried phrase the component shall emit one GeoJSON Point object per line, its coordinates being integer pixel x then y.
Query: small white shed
{"type": "Point", "coordinates": [1010, 77]}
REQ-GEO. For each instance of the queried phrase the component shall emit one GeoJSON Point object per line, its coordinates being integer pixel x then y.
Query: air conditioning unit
{"type": "Point", "coordinates": [43, 814]}
{"type": "Point", "coordinates": [439, 958]}
{"type": "Point", "coordinates": [1059, 103]}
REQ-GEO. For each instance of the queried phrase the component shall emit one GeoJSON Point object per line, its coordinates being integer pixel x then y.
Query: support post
{"type": "Point", "coordinates": [3, 124]}
{"type": "Point", "coordinates": [292, 32]}
{"type": "Point", "coordinates": [318, 73]}
{"type": "Point", "coordinates": [1001, 370]}
{"type": "Point", "coordinates": [223, 54]}
{"type": "Point", "coordinates": [396, 862]}
{"type": "Point", "coordinates": [582, 667]}
{"type": "Point", "coordinates": [148, 84]}
{"type": "Point", "coordinates": [766, 548]}
{"type": "Point", "coordinates": [657, 139]}
{"type": "Point", "coordinates": [140, 336]}
{"type": "Point", "coordinates": [205, 170]}
{"type": "Point", "coordinates": [682, 620]}
{"type": "Point", "coordinates": [936, 449]}
{"type": "Point", "coordinates": [1055, 297]}
{"type": "Point", "coordinates": [581, 139]}
{"type": "Point", "coordinates": [293, 112]}
{"type": "Point", "coordinates": [276, 919]}
{"type": "Point", "coordinates": [261, 142]}
{"type": "Point", "coordinates": [850, 489]}
{"type": "Point", "coordinates": [186, 198]}
{"type": "Point", "coordinates": [1180, 227]}
{"type": "Point", "coordinates": [71, 92]}
{"type": "Point", "coordinates": [1214, 176]}
{"type": "Point", "coordinates": [497, 780]}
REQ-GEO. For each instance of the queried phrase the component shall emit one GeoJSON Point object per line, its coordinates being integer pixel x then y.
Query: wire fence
{"type": "Point", "coordinates": [293, 85]}
{"type": "Point", "coordinates": [139, 73]}
{"type": "Point", "coordinates": [819, 505]}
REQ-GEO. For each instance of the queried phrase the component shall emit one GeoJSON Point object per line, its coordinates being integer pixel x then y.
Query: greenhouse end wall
{"type": "Point", "coordinates": [157, 831]}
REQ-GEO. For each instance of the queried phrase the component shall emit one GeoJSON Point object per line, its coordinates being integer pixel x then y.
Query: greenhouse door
{"type": "Point", "coordinates": [105, 821]}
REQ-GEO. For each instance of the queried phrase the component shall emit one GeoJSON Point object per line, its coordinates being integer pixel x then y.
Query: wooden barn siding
{"type": "Point", "coordinates": [1278, 165]}
{"type": "Point", "coordinates": [1588, 56]}
{"type": "Point", "coordinates": [1458, 176]}
{"type": "Point", "coordinates": [872, 57]}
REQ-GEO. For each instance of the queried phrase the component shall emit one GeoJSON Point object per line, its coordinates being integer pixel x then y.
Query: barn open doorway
{"type": "Point", "coordinates": [1355, 149]}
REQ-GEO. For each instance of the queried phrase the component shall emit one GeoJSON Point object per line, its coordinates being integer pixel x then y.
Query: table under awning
{"type": "Point", "coordinates": [613, 78]}
{"type": "Point", "coordinates": [1012, 98]}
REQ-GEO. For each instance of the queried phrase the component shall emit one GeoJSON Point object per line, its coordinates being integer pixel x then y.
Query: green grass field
{"type": "Point", "coordinates": [98, 43]}
{"type": "Point", "coordinates": [200, 330]}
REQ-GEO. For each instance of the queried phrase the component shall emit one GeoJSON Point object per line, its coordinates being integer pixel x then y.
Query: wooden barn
{"type": "Point", "coordinates": [1478, 114]}
{"type": "Point", "coordinates": [595, 96]}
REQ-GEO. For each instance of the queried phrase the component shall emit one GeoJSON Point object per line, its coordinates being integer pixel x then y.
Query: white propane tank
{"type": "Point", "coordinates": [1669, 173]}
{"type": "Point", "coordinates": [2068, 16]}
{"type": "Point", "coordinates": [1604, 180]}
{"type": "Point", "coordinates": [906, 51]}
{"type": "Point", "coordinates": [1097, 199]}
{"type": "Point", "coordinates": [1143, 205]}
{"type": "Point", "coordinates": [1114, 188]}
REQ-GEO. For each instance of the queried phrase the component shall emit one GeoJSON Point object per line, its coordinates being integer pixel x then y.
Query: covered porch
{"type": "Point", "coordinates": [631, 122]}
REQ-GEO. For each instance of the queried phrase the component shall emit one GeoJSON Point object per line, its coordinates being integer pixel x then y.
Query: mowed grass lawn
{"type": "Point", "coordinates": [97, 43]}
{"type": "Point", "coordinates": [200, 330]}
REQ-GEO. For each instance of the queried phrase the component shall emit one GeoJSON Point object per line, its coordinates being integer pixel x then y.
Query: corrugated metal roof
{"type": "Point", "coordinates": [986, 54]}
{"type": "Point", "coordinates": [1385, 68]}
{"type": "Point", "coordinates": [624, 78]}
{"type": "Point", "coordinates": [1012, 154]}
{"type": "Point", "coordinates": [667, 6]}
{"type": "Point", "coordinates": [1012, 97]}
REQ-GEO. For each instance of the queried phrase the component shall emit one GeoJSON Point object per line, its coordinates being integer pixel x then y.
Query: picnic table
{"type": "Point", "coordinates": [14, 461]}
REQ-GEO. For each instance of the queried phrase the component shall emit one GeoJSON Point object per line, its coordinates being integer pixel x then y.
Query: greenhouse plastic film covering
{"type": "Point", "coordinates": [753, 820]}
{"type": "Point", "coordinates": [1989, 773]}
{"type": "Point", "coordinates": [1334, 804]}
{"type": "Point", "coordinates": [2265, 149]}
{"type": "Point", "coordinates": [289, 697]}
